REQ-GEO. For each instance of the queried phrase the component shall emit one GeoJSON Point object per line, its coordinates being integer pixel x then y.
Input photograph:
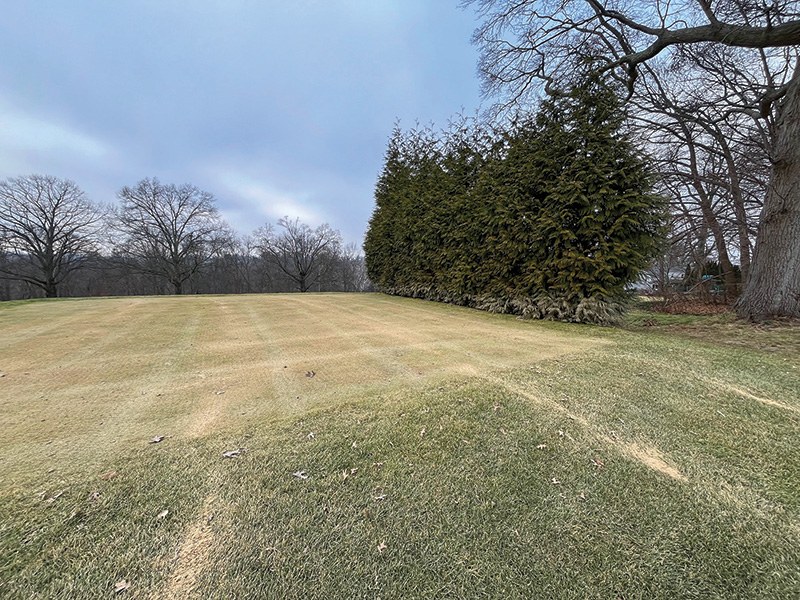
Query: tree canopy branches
{"type": "Point", "coordinates": [301, 253]}
{"type": "Point", "coordinates": [523, 41]}
{"type": "Point", "coordinates": [169, 231]}
{"type": "Point", "coordinates": [48, 229]}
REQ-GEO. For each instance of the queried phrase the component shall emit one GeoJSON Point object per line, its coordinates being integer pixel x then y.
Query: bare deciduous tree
{"type": "Point", "coordinates": [352, 269]}
{"type": "Point", "coordinates": [48, 228]}
{"type": "Point", "coordinates": [303, 254]}
{"type": "Point", "coordinates": [168, 231]}
{"type": "Point", "coordinates": [530, 41]}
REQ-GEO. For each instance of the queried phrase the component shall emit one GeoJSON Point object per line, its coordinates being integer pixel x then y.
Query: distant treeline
{"type": "Point", "coordinates": [160, 239]}
{"type": "Point", "coordinates": [551, 217]}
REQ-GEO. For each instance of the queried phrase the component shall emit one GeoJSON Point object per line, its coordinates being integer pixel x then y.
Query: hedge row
{"type": "Point", "coordinates": [550, 217]}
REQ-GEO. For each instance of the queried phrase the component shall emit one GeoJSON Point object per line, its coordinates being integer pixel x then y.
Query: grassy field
{"type": "Point", "coordinates": [392, 448]}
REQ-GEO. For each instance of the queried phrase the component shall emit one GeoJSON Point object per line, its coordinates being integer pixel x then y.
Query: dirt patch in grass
{"type": "Point", "coordinates": [749, 396]}
{"type": "Point", "coordinates": [690, 307]}
{"type": "Point", "coordinates": [193, 555]}
{"type": "Point", "coordinates": [638, 451]}
{"type": "Point", "coordinates": [774, 336]}
{"type": "Point", "coordinates": [651, 457]}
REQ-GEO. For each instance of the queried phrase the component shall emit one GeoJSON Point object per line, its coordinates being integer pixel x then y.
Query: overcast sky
{"type": "Point", "coordinates": [277, 107]}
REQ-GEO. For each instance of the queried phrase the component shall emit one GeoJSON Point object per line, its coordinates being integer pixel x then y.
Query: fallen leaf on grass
{"type": "Point", "coordinates": [233, 453]}
{"type": "Point", "coordinates": [503, 431]}
{"type": "Point", "coordinates": [300, 474]}
{"type": "Point", "coordinates": [156, 438]}
{"type": "Point", "coordinates": [56, 497]}
{"type": "Point", "coordinates": [381, 547]}
{"type": "Point", "coordinates": [581, 497]}
{"type": "Point", "coordinates": [108, 476]}
{"type": "Point", "coordinates": [121, 586]}
{"type": "Point", "coordinates": [162, 514]}
{"type": "Point", "coordinates": [598, 463]}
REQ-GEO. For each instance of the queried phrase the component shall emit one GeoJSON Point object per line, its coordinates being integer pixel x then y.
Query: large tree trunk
{"type": "Point", "coordinates": [773, 288]}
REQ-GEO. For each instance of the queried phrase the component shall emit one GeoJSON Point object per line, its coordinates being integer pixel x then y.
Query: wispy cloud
{"type": "Point", "coordinates": [263, 198]}
{"type": "Point", "coordinates": [27, 132]}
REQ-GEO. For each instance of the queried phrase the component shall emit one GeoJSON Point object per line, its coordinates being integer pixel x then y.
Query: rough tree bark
{"type": "Point", "coordinates": [773, 288]}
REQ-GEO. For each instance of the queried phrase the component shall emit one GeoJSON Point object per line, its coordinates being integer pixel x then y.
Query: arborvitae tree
{"type": "Point", "coordinates": [552, 218]}
{"type": "Point", "coordinates": [380, 244]}
{"type": "Point", "coordinates": [599, 224]}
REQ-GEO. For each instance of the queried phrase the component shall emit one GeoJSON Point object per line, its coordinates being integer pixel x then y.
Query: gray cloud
{"type": "Point", "coordinates": [275, 107]}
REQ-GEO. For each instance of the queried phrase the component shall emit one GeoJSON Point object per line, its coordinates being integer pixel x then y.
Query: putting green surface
{"type": "Point", "coordinates": [389, 448]}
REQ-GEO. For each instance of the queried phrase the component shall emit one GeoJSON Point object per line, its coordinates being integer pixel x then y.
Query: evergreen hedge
{"type": "Point", "coordinates": [551, 217]}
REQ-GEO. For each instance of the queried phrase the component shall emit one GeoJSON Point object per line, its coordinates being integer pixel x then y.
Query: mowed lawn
{"type": "Point", "coordinates": [389, 448]}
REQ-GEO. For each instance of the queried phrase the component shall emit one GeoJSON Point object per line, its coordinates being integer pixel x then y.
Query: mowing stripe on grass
{"type": "Point", "coordinates": [644, 453]}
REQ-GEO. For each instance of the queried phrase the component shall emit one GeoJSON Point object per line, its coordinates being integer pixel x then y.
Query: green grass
{"type": "Point", "coordinates": [676, 460]}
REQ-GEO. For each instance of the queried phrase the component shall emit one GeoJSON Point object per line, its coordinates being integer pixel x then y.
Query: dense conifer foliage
{"type": "Point", "coordinates": [551, 217]}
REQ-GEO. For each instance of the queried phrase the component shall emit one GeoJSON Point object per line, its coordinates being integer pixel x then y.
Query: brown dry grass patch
{"type": "Point", "coordinates": [91, 377]}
